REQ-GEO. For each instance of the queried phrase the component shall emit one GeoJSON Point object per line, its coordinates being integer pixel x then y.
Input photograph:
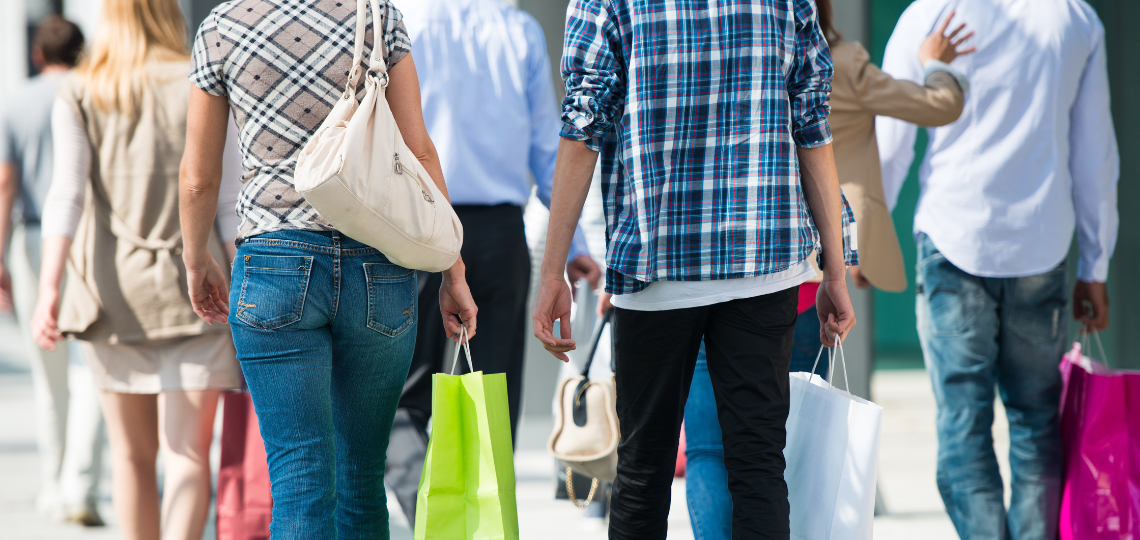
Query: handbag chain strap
{"type": "Point", "coordinates": [376, 59]}
{"type": "Point", "coordinates": [570, 490]}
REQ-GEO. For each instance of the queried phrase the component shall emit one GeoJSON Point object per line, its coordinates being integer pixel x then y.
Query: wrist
{"type": "Point", "coordinates": [457, 272]}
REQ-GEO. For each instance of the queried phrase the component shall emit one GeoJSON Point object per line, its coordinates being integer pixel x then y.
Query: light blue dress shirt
{"type": "Point", "coordinates": [488, 100]}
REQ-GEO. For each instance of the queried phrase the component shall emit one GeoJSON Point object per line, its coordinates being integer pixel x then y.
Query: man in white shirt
{"type": "Point", "coordinates": [1032, 158]}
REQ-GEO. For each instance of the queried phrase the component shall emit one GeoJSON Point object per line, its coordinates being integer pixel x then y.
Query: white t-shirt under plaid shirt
{"type": "Point", "coordinates": [283, 64]}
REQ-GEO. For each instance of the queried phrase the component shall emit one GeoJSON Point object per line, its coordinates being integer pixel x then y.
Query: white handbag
{"type": "Point", "coordinates": [586, 430]}
{"type": "Point", "coordinates": [360, 176]}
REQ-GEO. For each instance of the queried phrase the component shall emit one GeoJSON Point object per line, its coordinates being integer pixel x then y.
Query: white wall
{"type": "Point", "coordinates": [13, 43]}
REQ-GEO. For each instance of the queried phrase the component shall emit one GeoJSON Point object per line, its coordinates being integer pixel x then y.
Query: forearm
{"type": "Point", "coordinates": [572, 174]}
{"type": "Point", "coordinates": [9, 189]}
{"type": "Point", "coordinates": [200, 174]}
{"type": "Point", "coordinates": [429, 158]}
{"type": "Point", "coordinates": [53, 265]}
{"type": "Point", "coordinates": [197, 208]}
{"type": "Point", "coordinates": [820, 183]}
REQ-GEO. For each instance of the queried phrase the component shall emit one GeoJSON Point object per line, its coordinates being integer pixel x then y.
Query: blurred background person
{"type": "Point", "coordinates": [483, 66]}
{"type": "Point", "coordinates": [111, 215]}
{"type": "Point", "coordinates": [321, 322]}
{"type": "Point", "coordinates": [859, 92]}
{"type": "Point", "coordinates": [1033, 158]}
{"type": "Point", "coordinates": [69, 425]}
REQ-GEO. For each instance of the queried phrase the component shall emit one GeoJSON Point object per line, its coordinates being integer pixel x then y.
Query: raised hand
{"type": "Point", "coordinates": [942, 47]}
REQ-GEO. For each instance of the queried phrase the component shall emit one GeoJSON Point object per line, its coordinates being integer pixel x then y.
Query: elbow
{"type": "Point", "coordinates": [425, 152]}
{"type": "Point", "coordinates": [946, 110]}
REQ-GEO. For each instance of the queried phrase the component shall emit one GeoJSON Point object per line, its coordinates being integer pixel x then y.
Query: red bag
{"type": "Point", "coordinates": [244, 504]}
{"type": "Point", "coordinates": [1100, 430]}
{"type": "Point", "coordinates": [679, 472]}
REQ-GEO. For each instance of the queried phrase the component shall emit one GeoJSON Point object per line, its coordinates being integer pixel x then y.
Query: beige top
{"type": "Point", "coordinates": [860, 91]}
{"type": "Point", "coordinates": [127, 281]}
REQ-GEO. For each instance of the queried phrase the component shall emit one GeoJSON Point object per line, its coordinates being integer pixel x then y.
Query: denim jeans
{"type": "Point", "coordinates": [324, 328]}
{"type": "Point", "coordinates": [706, 479]}
{"type": "Point", "coordinates": [978, 333]}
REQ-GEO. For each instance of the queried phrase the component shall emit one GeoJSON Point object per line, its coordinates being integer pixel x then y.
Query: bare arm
{"type": "Point", "coordinates": [199, 179]}
{"type": "Point", "coordinates": [572, 174]}
{"type": "Point", "coordinates": [455, 303]}
{"type": "Point", "coordinates": [820, 183]}
{"type": "Point", "coordinates": [9, 190]}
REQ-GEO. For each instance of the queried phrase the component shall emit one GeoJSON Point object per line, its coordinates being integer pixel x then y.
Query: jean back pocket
{"type": "Point", "coordinates": [273, 290]}
{"type": "Point", "coordinates": [391, 298]}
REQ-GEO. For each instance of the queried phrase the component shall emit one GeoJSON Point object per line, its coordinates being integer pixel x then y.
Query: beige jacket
{"type": "Point", "coordinates": [860, 91]}
{"type": "Point", "coordinates": [126, 277]}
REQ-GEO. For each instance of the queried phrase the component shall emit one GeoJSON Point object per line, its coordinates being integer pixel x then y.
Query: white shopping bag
{"type": "Point", "coordinates": [832, 458]}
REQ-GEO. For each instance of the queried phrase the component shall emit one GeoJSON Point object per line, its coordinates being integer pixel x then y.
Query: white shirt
{"type": "Point", "coordinates": [663, 295]}
{"type": "Point", "coordinates": [1032, 157]}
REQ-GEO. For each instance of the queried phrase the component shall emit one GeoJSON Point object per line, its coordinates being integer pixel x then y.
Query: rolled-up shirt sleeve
{"type": "Point", "coordinates": [809, 80]}
{"type": "Point", "coordinates": [592, 72]}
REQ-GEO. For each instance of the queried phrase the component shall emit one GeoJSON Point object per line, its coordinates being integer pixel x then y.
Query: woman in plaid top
{"type": "Point", "coordinates": [719, 182]}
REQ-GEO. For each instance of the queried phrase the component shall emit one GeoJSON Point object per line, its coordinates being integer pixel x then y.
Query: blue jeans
{"type": "Point", "coordinates": [706, 479]}
{"type": "Point", "coordinates": [978, 333]}
{"type": "Point", "coordinates": [324, 328]}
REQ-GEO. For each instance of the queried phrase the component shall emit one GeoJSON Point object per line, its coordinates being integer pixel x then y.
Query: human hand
{"type": "Point", "coordinates": [5, 289]}
{"type": "Point", "coordinates": [857, 277]}
{"type": "Point", "coordinates": [833, 306]}
{"type": "Point", "coordinates": [604, 303]}
{"type": "Point", "coordinates": [584, 267]}
{"type": "Point", "coordinates": [1090, 305]}
{"type": "Point", "coordinates": [45, 320]}
{"type": "Point", "coordinates": [553, 304]}
{"type": "Point", "coordinates": [209, 293]}
{"type": "Point", "coordinates": [456, 304]}
{"type": "Point", "coordinates": [942, 47]}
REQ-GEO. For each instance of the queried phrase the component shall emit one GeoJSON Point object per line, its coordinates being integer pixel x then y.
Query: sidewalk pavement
{"type": "Point", "coordinates": [906, 468]}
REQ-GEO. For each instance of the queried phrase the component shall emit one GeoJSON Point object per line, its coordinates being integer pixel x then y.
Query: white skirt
{"type": "Point", "coordinates": [205, 362]}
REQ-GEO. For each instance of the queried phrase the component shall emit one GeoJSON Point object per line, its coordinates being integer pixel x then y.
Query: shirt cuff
{"type": "Point", "coordinates": [578, 246]}
{"type": "Point", "coordinates": [813, 134]}
{"type": "Point", "coordinates": [931, 66]}
{"type": "Point", "coordinates": [1093, 271]}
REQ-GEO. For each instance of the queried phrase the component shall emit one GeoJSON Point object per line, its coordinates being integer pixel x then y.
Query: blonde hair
{"type": "Point", "coordinates": [130, 33]}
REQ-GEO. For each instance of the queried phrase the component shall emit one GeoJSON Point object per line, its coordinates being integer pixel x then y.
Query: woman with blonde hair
{"type": "Point", "coordinates": [111, 217]}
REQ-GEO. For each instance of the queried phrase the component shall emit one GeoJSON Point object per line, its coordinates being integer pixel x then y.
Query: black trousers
{"type": "Point", "coordinates": [498, 272]}
{"type": "Point", "coordinates": [748, 343]}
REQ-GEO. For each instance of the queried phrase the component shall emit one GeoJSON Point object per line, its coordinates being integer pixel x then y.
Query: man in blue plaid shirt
{"type": "Point", "coordinates": [719, 183]}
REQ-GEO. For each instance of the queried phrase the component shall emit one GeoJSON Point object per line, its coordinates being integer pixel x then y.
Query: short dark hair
{"type": "Point", "coordinates": [59, 40]}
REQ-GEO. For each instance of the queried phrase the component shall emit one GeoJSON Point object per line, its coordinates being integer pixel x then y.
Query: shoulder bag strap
{"type": "Point", "coordinates": [376, 60]}
{"type": "Point", "coordinates": [594, 339]}
{"type": "Point", "coordinates": [357, 49]}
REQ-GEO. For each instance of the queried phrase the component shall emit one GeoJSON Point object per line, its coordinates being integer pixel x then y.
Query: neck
{"type": "Point", "coordinates": [54, 68]}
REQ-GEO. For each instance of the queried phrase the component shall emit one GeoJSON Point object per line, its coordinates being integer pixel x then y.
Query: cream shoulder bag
{"type": "Point", "coordinates": [358, 173]}
{"type": "Point", "coordinates": [586, 433]}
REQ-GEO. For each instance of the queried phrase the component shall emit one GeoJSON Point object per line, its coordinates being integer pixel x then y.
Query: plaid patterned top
{"type": "Point", "coordinates": [697, 109]}
{"type": "Point", "coordinates": [283, 64]}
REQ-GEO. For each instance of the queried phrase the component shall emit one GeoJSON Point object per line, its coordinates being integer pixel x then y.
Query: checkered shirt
{"type": "Point", "coordinates": [697, 109]}
{"type": "Point", "coordinates": [283, 64]}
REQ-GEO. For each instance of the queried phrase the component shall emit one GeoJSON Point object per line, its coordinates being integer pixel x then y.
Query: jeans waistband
{"type": "Point", "coordinates": [327, 242]}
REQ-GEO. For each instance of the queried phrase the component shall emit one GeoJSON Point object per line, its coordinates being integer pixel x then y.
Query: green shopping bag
{"type": "Point", "coordinates": [467, 491]}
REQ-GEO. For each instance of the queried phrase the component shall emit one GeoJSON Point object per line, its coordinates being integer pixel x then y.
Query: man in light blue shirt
{"type": "Point", "coordinates": [489, 105]}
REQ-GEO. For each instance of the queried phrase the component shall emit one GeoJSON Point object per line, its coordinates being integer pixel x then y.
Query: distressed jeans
{"type": "Point", "coordinates": [981, 333]}
{"type": "Point", "coordinates": [324, 328]}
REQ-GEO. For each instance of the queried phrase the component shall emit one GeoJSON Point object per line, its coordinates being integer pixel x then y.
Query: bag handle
{"type": "Point", "coordinates": [467, 348]}
{"type": "Point", "coordinates": [831, 365]}
{"type": "Point", "coordinates": [375, 58]}
{"type": "Point", "coordinates": [594, 339]}
{"type": "Point", "coordinates": [1085, 344]}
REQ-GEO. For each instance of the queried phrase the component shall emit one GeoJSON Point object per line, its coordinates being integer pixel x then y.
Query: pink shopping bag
{"type": "Point", "coordinates": [1100, 427]}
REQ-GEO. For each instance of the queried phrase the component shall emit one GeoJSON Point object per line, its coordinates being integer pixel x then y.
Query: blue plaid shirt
{"type": "Point", "coordinates": [697, 109]}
